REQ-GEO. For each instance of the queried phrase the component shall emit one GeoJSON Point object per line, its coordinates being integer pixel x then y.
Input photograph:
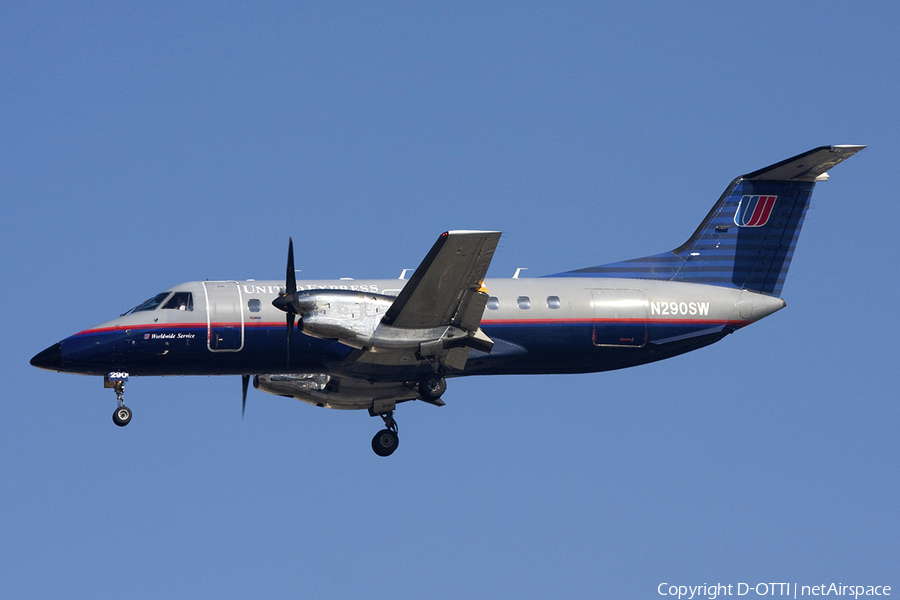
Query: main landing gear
{"type": "Point", "coordinates": [385, 441]}
{"type": "Point", "coordinates": [122, 414]}
{"type": "Point", "coordinates": [430, 387]}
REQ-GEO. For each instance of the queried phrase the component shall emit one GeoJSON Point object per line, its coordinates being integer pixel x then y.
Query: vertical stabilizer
{"type": "Point", "coordinates": [748, 238]}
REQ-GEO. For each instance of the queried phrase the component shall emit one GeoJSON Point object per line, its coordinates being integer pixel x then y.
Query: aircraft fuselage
{"type": "Point", "coordinates": [540, 325]}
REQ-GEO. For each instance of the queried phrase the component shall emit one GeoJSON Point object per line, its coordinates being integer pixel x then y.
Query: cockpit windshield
{"type": "Point", "coordinates": [150, 304]}
{"type": "Point", "coordinates": [180, 301]}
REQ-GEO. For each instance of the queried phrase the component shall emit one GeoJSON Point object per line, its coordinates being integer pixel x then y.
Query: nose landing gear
{"type": "Point", "coordinates": [122, 414]}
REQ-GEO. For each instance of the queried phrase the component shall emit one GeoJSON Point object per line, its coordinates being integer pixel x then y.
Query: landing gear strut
{"type": "Point", "coordinates": [385, 441]}
{"type": "Point", "coordinates": [122, 414]}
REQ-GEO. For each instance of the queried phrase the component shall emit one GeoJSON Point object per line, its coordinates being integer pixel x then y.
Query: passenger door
{"type": "Point", "coordinates": [224, 316]}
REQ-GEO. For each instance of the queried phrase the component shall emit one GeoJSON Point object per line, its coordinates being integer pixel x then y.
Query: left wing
{"type": "Point", "coordinates": [446, 288]}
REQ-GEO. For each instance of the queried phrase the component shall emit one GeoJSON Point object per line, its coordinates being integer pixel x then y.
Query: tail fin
{"type": "Point", "coordinates": [748, 238]}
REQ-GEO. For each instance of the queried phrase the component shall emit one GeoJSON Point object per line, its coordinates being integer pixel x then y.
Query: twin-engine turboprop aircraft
{"type": "Point", "coordinates": [371, 344]}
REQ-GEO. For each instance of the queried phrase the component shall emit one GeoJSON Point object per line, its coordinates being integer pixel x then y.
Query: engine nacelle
{"type": "Point", "coordinates": [321, 389]}
{"type": "Point", "coordinates": [354, 319]}
{"type": "Point", "coordinates": [347, 316]}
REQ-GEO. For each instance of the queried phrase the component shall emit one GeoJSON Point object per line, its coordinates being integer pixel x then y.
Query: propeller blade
{"type": "Point", "coordinates": [245, 382]}
{"type": "Point", "coordinates": [290, 279]}
{"type": "Point", "coordinates": [290, 330]}
{"type": "Point", "coordinates": [288, 300]}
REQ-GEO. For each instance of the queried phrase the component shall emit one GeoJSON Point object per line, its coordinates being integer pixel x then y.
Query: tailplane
{"type": "Point", "coordinates": [748, 238]}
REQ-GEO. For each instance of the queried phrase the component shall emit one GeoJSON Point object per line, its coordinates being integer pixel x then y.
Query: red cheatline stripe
{"type": "Point", "coordinates": [145, 326]}
{"type": "Point", "coordinates": [484, 323]}
{"type": "Point", "coordinates": [498, 322]}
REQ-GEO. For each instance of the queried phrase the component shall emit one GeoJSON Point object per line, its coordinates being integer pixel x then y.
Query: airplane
{"type": "Point", "coordinates": [373, 344]}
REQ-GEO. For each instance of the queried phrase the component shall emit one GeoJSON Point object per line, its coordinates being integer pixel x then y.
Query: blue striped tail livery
{"type": "Point", "coordinates": [748, 238]}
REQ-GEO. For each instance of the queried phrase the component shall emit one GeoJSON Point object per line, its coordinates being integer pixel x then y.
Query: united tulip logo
{"type": "Point", "coordinates": [754, 211]}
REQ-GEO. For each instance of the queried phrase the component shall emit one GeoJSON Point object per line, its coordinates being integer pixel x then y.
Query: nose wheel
{"type": "Point", "coordinates": [122, 414]}
{"type": "Point", "coordinates": [385, 441]}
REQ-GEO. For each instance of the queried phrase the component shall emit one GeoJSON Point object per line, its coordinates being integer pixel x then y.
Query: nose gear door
{"type": "Point", "coordinates": [224, 316]}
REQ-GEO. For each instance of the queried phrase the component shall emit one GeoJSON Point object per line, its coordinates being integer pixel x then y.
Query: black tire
{"type": "Point", "coordinates": [432, 387]}
{"type": "Point", "coordinates": [385, 442]}
{"type": "Point", "coordinates": [122, 416]}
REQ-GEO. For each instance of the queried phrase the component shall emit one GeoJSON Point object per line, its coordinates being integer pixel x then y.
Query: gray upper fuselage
{"type": "Point", "coordinates": [574, 295]}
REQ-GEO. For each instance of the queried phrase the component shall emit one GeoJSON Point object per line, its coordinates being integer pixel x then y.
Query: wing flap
{"type": "Point", "coordinates": [471, 308]}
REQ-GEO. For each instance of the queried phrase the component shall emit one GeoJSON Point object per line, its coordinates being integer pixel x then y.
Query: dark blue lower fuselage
{"type": "Point", "coordinates": [519, 349]}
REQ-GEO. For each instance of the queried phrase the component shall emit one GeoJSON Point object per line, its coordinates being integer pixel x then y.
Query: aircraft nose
{"type": "Point", "coordinates": [50, 359]}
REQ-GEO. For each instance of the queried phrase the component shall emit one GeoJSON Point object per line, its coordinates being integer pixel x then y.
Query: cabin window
{"type": "Point", "coordinates": [553, 302]}
{"type": "Point", "coordinates": [180, 301]}
{"type": "Point", "coordinates": [523, 302]}
{"type": "Point", "coordinates": [150, 304]}
{"type": "Point", "coordinates": [253, 304]}
{"type": "Point", "coordinates": [493, 303]}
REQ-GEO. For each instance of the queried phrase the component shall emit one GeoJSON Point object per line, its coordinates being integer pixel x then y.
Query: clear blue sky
{"type": "Point", "coordinates": [143, 145]}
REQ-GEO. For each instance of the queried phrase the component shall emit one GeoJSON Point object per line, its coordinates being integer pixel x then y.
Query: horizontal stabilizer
{"type": "Point", "coordinates": [807, 166]}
